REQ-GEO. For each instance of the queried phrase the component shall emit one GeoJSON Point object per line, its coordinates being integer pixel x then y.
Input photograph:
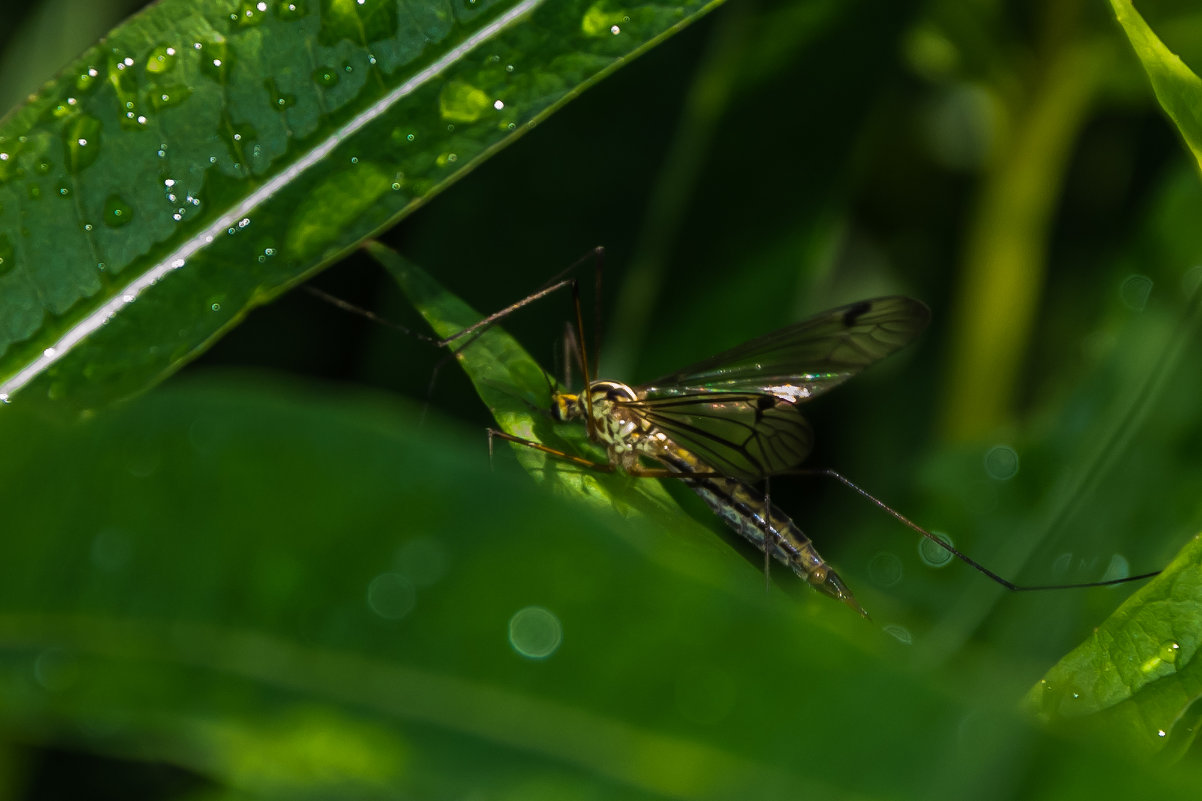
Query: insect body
{"type": "Point", "coordinates": [628, 434]}
{"type": "Point", "coordinates": [736, 418]}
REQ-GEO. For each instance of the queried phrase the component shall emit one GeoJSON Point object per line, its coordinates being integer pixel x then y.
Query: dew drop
{"type": "Point", "coordinates": [1001, 462]}
{"type": "Point", "coordinates": [325, 76]}
{"type": "Point", "coordinates": [290, 9]}
{"type": "Point", "coordinates": [392, 596]}
{"type": "Point", "coordinates": [885, 569]}
{"type": "Point", "coordinates": [117, 212]}
{"type": "Point", "coordinates": [86, 80]}
{"type": "Point", "coordinates": [899, 633]}
{"type": "Point", "coordinates": [167, 96]}
{"type": "Point", "coordinates": [280, 100]}
{"type": "Point", "coordinates": [82, 142]}
{"type": "Point", "coordinates": [214, 59]}
{"type": "Point", "coordinates": [535, 632]}
{"type": "Point", "coordinates": [161, 60]}
{"type": "Point", "coordinates": [1135, 291]}
{"type": "Point", "coordinates": [1117, 568]}
{"type": "Point", "coordinates": [931, 553]}
{"type": "Point", "coordinates": [249, 14]}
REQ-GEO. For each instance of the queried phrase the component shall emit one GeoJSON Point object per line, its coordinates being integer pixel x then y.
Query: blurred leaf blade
{"type": "Point", "coordinates": [1177, 88]}
{"type": "Point", "coordinates": [151, 605]}
{"type": "Point", "coordinates": [232, 623]}
{"type": "Point", "coordinates": [198, 162]}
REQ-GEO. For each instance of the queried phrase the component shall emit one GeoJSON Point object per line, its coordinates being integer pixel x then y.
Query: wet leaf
{"type": "Point", "coordinates": [516, 390]}
{"type": "Point", "coordinates": [207, 156]}
{"type": "Point", "coordinates": [1139, 673]}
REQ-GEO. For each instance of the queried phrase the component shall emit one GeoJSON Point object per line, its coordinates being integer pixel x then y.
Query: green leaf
{"type": "Point", "coordinates": [1176, 86]}
{"type": "Point", "coordinates": [207, 155]}
{"type": "Point", "coordinates": [289, 609]}
{"type": "Point", "coordinates": [186, 578]}
{"type": "Point", "coordinates": [516, 390]}
{"type": "Point", "coordinates": [1139, 673]}
{"type": "Point", "coordinates": [305, 595]}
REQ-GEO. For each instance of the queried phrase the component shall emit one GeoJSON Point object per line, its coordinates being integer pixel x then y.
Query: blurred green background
{"type": "Point", "coordinates": [290, 570]}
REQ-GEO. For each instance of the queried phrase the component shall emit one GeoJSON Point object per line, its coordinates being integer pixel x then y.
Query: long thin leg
{"type": "Point", "coordinates": [770, 539]}
{"type": "Point", "coordinates": [554, 285]}
{"type": "Point", "coordinates": [557, 283]}
{"type": "Point", "coordinates": [1010, 585]}
{"type": "Point", "coordinates": [600, 467]}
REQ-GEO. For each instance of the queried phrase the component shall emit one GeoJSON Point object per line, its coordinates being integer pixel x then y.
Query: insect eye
{"type": "Point", "coordinates": [563, 407]}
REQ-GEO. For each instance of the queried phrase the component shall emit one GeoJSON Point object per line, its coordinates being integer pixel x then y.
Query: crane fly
{"type": "Point", "coordinates": [735, 418]}
{"type": "Point", "coordinates": [729, 421]}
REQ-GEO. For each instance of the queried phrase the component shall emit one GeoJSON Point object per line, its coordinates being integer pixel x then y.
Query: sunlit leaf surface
{"type": "Point", "coordinates": [1140, 668]}
{"type": "Point", "coordinates": [207, 155]}
{"type": "Point", "coordinates": [1177, 88]}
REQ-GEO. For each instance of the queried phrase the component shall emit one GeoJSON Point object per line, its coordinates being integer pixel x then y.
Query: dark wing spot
{"type": "Point", "coordinates": [852, 314]}
{"type": "Point", "coordinates": [764, 403]}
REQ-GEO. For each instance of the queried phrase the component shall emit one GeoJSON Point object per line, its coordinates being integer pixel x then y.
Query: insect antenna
{"type": "Point", "coordinates": [347, 306]}
{"type": "Point", "coordinates": [368, 314]}
{"type": "Point", "coordinates": [466, 336]}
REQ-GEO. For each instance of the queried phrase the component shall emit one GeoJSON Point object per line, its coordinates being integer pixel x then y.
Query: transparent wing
{"type": "Point", "coordinates": [805, 359]}
{"type": "Point", "coordinates": [742, 435]}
